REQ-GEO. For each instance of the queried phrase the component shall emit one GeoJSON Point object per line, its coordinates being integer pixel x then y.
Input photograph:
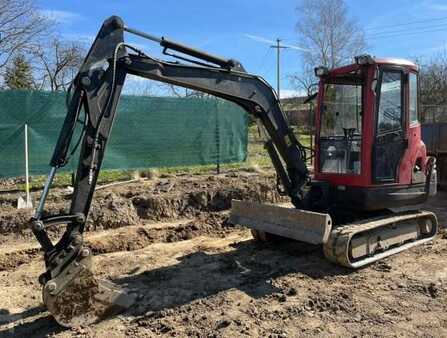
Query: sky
{"type": "Point", "coordinates": [393, 28]}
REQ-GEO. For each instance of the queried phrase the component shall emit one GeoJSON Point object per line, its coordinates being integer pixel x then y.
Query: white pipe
{"type": "Point", "coordinates": [28, 199]}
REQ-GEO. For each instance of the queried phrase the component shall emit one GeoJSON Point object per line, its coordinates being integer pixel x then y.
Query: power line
{"type": "Point", "coordinates": [264, 40]}
{"type": "Point", "coordinates": [268, 72]}
{"type": "Point", "coordinates": [408, 33]}
{"type": "Point", "coordinates": [263, 61]}
{"type": "Point", "coordinates": [408, 30]}
{"type": "Point", "coordinates": [278, 46]}
{"type": "Point", "coordinates": [405, 24]}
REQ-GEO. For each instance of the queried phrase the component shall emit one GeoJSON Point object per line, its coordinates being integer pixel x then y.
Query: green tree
{"type": "Point", "coordinates": [19, 74]}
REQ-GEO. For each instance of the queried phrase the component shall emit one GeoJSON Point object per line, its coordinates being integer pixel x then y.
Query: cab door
{"type": "Point", "coordinates": [390, 137]}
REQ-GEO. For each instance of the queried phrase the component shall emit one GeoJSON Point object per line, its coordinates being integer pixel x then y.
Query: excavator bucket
{"type": "Point", "coordinates": [280, 220]}
{"type": "Point", "coordinates": [76, 298]}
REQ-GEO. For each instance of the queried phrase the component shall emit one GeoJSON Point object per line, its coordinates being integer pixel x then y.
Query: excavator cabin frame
{"type": "Point", "coordinates": [390, 157]}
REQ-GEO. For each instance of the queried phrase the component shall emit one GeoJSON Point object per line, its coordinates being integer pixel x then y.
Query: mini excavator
{"type": "Point", "coordinates": [362, 204]}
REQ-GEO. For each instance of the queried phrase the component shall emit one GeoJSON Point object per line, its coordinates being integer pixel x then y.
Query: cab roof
{"type": "Point", "coordinates": [397, 62]}
{"type": "Point", "coordinates": [369, 60]}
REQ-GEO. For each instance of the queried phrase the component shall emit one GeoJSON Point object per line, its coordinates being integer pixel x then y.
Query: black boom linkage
{"type": "Point", "coordinates": [95, 92]}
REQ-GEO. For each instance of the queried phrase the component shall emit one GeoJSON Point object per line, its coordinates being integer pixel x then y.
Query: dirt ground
{"type": "Point", "coordinates": [168, 240]}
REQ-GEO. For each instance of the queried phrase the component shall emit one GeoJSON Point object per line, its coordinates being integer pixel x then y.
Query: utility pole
{"type": "Point", "coordinates": [278, 48]}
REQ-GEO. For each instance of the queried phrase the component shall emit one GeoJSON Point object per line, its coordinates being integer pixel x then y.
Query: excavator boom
{"type": "Point", "coordinates": [95, 93]}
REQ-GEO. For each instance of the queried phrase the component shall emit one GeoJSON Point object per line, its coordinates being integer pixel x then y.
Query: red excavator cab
{"type": "Point", "coordinates": [368, 140]}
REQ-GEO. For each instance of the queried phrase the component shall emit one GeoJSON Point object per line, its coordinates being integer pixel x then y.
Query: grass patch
{"type": "Point", "coordinates": [257, 159]}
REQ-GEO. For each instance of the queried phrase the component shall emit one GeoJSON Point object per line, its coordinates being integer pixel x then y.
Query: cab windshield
{"type": "Point", "coordinates": [341, 110]}
{"type": "Point", "coordinates": [341, 127]}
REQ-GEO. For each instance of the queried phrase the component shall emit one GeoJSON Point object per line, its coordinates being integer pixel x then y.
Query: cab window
{"type": "Point", "coordinates": [413, 98]}
{"type": "Point", "coordinates": [390, 105]}
{"type": "Point", "coordinates": [341, 128]}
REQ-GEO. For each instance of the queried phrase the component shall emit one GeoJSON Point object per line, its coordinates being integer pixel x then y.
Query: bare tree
{"type": "Point", "coordinates": [20, 25]}
{"type": "Point", "coordinates": [139, 86]}
{"type": "Point", "coordinates": [330, 36]}
{"type": "Point", "coordinates": [185, 92]}
{"type": "Point", "coordinates": [305, 80]}
{"type": "Point", "coordinates": [143, 87]}
{"type": "Point", "coordinates": [58, 63]}
{"type": "Point", "coordinates": [433, 87]}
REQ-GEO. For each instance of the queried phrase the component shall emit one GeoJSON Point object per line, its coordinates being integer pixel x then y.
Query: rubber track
{"type": "Point", "coordinates": [336, 249]}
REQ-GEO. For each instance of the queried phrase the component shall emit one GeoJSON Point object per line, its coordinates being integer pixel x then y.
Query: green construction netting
{"type": "Point", "coordinates": [148, 132]}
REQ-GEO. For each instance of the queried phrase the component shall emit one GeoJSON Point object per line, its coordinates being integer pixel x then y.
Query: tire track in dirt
{"type": "Point", "coordinates": [125, 238]}
{"type": "Point", "coordinates": [202, 198]}
{"type": "Point", "coordinates": [161, 199]}
{"type": "Point", "coordinates": [231, 286]}
{"type": "Point", "coordinates": [26, 313]}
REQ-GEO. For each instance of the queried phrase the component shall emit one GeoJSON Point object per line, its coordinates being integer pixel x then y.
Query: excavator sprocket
{"type": "Point", "coordinates": [76, 298]}
{"type": "Point", "coordinates": [358, 244]}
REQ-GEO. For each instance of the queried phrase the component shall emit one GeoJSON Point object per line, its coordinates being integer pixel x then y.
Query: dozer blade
{"type": "Point", "coordinates": [77, 298]}
{"type": "Point", "coordinates": [301, 225]}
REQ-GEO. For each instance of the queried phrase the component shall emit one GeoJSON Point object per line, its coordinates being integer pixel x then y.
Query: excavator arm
{"type": "Point", "coordinates": [95, 93]}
